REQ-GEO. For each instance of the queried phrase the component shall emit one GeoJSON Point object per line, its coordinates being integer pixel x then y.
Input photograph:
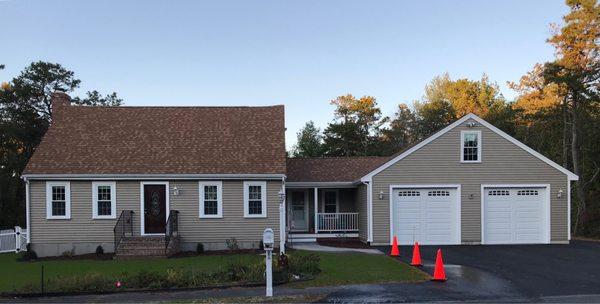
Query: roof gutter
{"type": "Point", "coordinates": [27, 217]}
{"type": "Point", "coordinates": [151, 176]}
{"type": "Point", "coordinates": [322, 184]}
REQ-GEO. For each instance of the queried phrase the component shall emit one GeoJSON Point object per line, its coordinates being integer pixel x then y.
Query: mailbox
{"type": "Point", "coordinates": [268, 239]}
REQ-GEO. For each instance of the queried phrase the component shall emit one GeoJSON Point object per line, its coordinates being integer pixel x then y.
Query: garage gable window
{"type": "Point", "coordinates": [470, 151]}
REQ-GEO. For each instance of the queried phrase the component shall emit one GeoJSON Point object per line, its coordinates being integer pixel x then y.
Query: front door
{"type": "Point", "coordinates": [299, 211]}
{"type": "Point", "coordinates": [155, 209]}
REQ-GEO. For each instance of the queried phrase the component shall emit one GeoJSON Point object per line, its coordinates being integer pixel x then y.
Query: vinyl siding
{"type": "Point", "coordinates": [82, 228]}
{"type": "Point", "coordinates": [439, 163]}
{"type": "Point", "coordinates": [361, 201]}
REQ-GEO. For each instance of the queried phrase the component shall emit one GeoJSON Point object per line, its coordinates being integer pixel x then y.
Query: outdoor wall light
{"type": "Point", "coordinates": [175, 191]}
{"type": "Point", "coordinates": [281, 195]}
{"type": "Point", "coordinates": [560, 193]}
{"type": "Point", "coordinates": [471, 195]}
{"type": "Point", "coordinates": [381, 195]}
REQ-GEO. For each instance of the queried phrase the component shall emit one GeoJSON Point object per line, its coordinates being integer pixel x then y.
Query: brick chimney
{"type": "Point", "coordinates": [59, 100]}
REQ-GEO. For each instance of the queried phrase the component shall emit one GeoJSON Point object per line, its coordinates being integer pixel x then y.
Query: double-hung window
{"type": "Point", "coordinates": [470, 146]}
{"type": "Point", "coordinates": [255, 199]}
{"type": "Point", "coordinates": [104, 200]}
{"type": "Point", "coordinates": [211, 199]}
{"type": "Point", "coordinates": [58, 200]}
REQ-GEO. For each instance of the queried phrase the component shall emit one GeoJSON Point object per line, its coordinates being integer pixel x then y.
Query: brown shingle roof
{"type": "Point", "coordinates": [331, 169]}
{"type": "Point", "coordinates": [162, 140]}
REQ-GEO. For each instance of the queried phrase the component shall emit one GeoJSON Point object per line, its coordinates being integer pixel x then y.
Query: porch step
{"type": "Point", "coordinates": [302, 238]}
{"type": "Point", "coordinates": [145, 246]}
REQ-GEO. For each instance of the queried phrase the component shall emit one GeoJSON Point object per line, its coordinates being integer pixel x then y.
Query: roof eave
{"type": "Point", "coordinates": [274, 176]}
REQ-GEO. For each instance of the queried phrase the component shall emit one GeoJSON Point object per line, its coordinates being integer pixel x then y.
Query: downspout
{"type": "Point", "coordinates": [369, 211]}
{"type": "Point", "coordinates": [27, 217]}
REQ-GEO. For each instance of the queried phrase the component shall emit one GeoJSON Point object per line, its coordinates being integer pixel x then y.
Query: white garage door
{"type": "Point", "coordinates": [515, 215]}
{"type": "Point", "coordinates": [429, 216]}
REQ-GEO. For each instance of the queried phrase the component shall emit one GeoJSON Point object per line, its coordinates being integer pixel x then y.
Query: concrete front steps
{"type": "Point", "coordinates": [146, 246]}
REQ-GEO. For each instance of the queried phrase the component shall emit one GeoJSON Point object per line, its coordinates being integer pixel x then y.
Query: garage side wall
{"type": "Point", "coordinates": [439, 163]}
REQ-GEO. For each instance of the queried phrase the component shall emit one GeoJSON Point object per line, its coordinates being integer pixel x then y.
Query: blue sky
{"type": "Point", "coordinates": [298, 53]}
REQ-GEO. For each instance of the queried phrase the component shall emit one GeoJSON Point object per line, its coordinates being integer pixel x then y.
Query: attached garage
{"type": "Point", "coordinates": [518, 214]}
{"type": "Point", "coordinates": [428, 215]}
{"type": "Point", "coordinates": [470, 183]}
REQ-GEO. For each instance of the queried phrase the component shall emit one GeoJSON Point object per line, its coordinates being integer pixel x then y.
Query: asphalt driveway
{"type": "Point", "coordinates": [532, 271]}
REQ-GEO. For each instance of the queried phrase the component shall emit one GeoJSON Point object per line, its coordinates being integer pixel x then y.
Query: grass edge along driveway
{"type": "Point", "coordinates": [336, 268]}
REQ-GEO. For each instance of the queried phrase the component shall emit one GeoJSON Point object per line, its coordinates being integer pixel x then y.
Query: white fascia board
{"type": "Point", "coordinates": [572, 176]}
{"type": "Point", "coordinates": [321, 184]}
{"type": "Point", "coordinates": [418, 146]}
{"type": "Point", "coordinates": [486, 124]}
{"type": "Point", "coordinates": [153, 176]}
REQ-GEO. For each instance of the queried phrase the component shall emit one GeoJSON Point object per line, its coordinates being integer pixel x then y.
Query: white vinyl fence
{"type": "Point", "coordinates": [13, 240]}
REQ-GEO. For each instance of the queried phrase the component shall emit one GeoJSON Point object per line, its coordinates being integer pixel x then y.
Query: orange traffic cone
{"type": "Point", "coordinates": [395, 251]}
{"type": "Point", "coordinates": [416, 258]}
{"type": "Point", "coordinates": [439, 274]}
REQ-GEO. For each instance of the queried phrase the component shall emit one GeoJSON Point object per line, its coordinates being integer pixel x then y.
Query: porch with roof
{"type": "Point", "coordinates": [321, 212]}
{"type": "Point", "coordinates": [322, 196]}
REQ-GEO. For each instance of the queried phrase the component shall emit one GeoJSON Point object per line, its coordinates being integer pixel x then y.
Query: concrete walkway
{"type": "Point", "coordinates": [317, 247]}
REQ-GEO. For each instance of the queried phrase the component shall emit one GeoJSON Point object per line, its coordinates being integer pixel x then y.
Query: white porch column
{"type": "Point", "coordinates": [316, 203]}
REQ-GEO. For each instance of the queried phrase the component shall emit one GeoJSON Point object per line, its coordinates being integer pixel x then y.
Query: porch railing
{"type": "Point", "coordinates": [123, 227]}
{"type": "Point", "coordinates": [172, 228]}
{"type": "Point", "coordinates": [330, 222]}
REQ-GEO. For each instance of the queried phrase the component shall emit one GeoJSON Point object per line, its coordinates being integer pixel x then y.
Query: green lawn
{"type": "Point", "coordinates": [357, 268]}
{"type": "Point", "coordinates": [347, 268]}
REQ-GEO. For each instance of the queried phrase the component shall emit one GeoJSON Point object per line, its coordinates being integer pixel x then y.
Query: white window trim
{"type": "Point", "coordinates": [113, 200]}
{"type": "Point", "coordinates": [462, 147]}
{"type": "Point", "coordinates": [337, 201]}
{"type": "Point", "coordinates": [263, 197]}
{"type": "Point", "coordinates": [201, 186]}
{"type": "Point", "coordinates": [49, 215]}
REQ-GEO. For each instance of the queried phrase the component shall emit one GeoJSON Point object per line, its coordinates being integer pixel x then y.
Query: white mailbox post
{"type": "Point", "coordinates": [268, 242]}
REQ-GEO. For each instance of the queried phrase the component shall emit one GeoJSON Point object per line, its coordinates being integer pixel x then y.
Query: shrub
{"type": "Point", "coordinates": [232, 244]}
{"type": "Point", "coordinates": [145, 279]}
{"type": "Point", "coordinates": [282, 261]}
{"type": "Point", "coordinates": [236, 271]}
{"type": "Point", "coordinates": [261, 245]}
{"type": "Point", "coordinates": [29, 254]}
{"type": "Point", "coordinates": [92, 281]}
{"type": "Point", "coordinates": [99, 250]}
{"type": "Point", "coordinates": [304, 264]}
{"type": "Point", "coordinates": [200, 248]}
{"type": "Point", "coordinates": [69, 253]}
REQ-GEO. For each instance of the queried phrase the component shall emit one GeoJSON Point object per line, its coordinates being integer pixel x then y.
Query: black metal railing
{"type": "Point", "coordinates": [123, 226]}
{"type": "Point", "coordinates": [172, 228]}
